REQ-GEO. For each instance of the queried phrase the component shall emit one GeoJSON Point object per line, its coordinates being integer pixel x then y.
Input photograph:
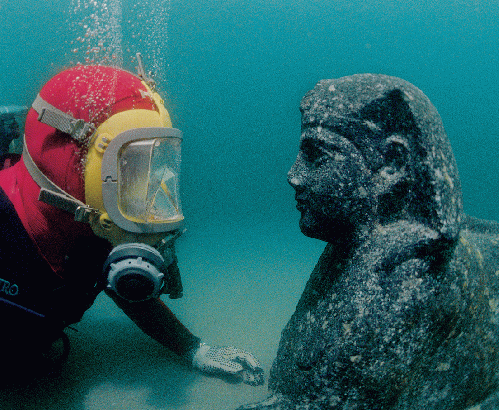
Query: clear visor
{"type": "Point", "coordinates": [148, 180]}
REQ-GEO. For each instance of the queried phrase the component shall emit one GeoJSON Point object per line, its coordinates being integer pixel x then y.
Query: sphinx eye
{"type": "Point", "coordinates": [315, 154]}
{"type": "Point", "coordinates": [308, 151]}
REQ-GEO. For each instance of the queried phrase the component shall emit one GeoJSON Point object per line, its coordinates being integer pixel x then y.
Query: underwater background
{"type": "Point", "coordinates": [232, 74]}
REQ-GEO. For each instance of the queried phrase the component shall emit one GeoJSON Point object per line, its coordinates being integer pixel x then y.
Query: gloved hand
{"type": "Point", "coordinates": [230, 362]}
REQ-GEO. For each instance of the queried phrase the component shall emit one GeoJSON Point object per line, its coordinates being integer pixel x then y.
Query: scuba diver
{"type": "Point", "coordinates": [93, 204]}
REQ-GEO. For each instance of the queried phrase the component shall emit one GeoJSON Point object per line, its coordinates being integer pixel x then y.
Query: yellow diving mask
{"type": "Point", "coordinates": [133, 169]}
{"type": "Point", "coordinates": [140, 180]}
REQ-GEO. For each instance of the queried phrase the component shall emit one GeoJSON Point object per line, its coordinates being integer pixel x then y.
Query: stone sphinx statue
{"type": "Point", "coordinates": [402, 308]}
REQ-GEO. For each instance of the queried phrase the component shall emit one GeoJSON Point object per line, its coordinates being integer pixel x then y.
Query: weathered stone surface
{"type": "Point", "coordinates": [402, 308]}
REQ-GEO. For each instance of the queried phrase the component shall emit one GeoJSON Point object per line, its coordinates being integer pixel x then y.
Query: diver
{"type": "Point", "coordinates": [93, 205]}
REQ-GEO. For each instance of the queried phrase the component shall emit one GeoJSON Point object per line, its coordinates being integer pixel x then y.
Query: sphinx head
{"type": "Point", "coordinates": [373, 150]}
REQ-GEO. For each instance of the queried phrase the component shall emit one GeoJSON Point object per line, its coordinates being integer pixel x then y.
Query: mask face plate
{"type": "Point", "coordinates": [140, 180]}
{"type": "Point", "coordinates": [148, 181]}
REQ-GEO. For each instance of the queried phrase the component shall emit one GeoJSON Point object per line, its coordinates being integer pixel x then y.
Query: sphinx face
{"type": "Point", "coordinates": [332, 184]}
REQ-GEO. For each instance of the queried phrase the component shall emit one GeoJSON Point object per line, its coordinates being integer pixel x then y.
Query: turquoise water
{"type": "Point", "coordinates": [232, 74]}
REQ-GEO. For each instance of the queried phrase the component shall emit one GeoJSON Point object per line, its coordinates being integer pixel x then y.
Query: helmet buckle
{"type": "Point", "coordinates": [79, 128]}
{"type": "Point", "coordinates": [83, 212]}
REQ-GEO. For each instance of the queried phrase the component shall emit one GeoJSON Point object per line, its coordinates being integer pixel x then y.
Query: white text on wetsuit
{"type": "Point", "coordinates": [8, 288]}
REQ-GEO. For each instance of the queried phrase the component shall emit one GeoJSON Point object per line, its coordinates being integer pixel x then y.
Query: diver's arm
{"type": "Point", "coordinates": [155, 319]}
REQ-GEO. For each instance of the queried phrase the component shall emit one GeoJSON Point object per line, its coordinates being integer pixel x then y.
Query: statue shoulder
{"type": "Point", "coordinates": [478, 244]}
{"type": "Point", "coordinates": [479, 226]}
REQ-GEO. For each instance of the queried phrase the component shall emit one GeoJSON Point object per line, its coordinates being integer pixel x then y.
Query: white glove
{"type": "Point", "coordinates": [228, 362]}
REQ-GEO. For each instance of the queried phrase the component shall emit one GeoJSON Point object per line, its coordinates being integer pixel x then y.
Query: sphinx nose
{"type": "Point", "coordinates": [294, 178]}
{"type": "Point", "coordinates": [293, 181]}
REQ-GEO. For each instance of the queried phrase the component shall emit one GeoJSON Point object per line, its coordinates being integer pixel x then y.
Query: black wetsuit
{"type": "Point", "coordinates": [35, 303]}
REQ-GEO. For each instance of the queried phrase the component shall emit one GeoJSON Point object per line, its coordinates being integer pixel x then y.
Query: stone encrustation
{"type": "Point", "coordinates": [404, 314]}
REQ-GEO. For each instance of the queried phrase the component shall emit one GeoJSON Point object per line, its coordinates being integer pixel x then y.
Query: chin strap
{"type": "Point", "coordinates": [51, 194]}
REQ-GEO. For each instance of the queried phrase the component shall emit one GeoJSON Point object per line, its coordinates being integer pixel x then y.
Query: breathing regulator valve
{"type": "Point", "coordinates": [136, 271]}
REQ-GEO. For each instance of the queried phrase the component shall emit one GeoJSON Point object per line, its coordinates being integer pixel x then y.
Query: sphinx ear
{"type": "Point", "coordinates": [394, 171]}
